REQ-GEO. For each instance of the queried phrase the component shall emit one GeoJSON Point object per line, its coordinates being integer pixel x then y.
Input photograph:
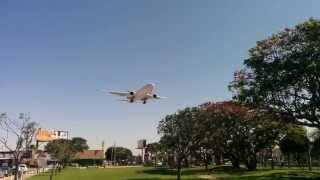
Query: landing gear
{"type": "Point", "coordinates": [131, 100]}
{"type": "Point", "coordinates": [144, 102]}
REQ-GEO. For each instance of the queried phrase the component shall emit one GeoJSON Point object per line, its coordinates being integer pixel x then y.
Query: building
{"type": "Point", "coordinates": [6, 158]}
{"type": "Point", "coordinates": [89, 158]}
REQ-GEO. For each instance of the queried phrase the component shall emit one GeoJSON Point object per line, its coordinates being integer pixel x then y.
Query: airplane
{"type": "Point", "coordinates": [143, 94]}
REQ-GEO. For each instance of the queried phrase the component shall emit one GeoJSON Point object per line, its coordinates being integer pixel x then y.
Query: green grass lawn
{"type": "Point", "coordinates": [265, 174]}
{"type": "Point", "coordinates": [131, 173]}
{"type": "Point", "coordinates": [140, 173]}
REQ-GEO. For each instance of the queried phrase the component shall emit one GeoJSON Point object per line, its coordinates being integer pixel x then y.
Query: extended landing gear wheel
{"type": "Point", "coordinates": [144, 102]}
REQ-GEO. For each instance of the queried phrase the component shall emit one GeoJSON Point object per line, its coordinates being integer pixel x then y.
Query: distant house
{"type": "Point", "coordinates": [89, 158]}
{"type": "Point", "coordinates": [6, 158]}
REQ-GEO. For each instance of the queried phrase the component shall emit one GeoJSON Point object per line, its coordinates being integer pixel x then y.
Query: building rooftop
{"type": "Point", "coordinates": [90, 154]}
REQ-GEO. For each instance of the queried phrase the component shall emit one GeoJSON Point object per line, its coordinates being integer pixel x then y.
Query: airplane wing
{"type": "Point", "coordinates": [120, 93]}
{"type": "Point", "coordinates": [161, 97]}
{"type": "Point", "coordinates": [125, 100]}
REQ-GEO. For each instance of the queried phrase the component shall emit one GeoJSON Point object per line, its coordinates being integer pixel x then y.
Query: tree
{"type": "Point", "coordinates": [295, 144]}
{"type": "Point", "coordinates": [61, 150]}
{"type": "Point", "coordinates": [154, 149]}
{"type": "Point", "coordinates": [214, 133]}
{"type": "Point", "coordinates": [120, 155]}
{"type": "Point", "coordinates": [64, 149]}
{"type": "Point", "coordinates": [239, 132]}
{"type": "Point", "coordinates": [22, 130]}
{"type": "Point", "coordinates": [79, 144]}
{"type": "Point", "coordinates": [179, 134]}
{"type": "Point", "coordinates": [316, 144]}
{"type": "Point", "coordinates": [282, 75]}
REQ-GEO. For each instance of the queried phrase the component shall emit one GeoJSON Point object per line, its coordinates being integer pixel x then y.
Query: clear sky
{"type": "Point", "coordinates": [54, 55]}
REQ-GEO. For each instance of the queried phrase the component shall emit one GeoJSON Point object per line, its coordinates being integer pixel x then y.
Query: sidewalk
{"type": "Point", "coordinates": [28, 174]}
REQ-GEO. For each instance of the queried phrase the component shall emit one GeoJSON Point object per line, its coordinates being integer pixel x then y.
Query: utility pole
{"type": "Point", "coordinates": [115, 153]}
{"type": "Point", "coordinates": [102, 146]}
{"type": "Point", "coordinates": [112, 155]}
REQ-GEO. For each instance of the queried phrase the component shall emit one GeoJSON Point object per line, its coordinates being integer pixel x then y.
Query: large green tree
{"type": "Point", "coordinates": [295, 144]}
{"type": "Point", "coordinates": [79, 144]}
{"type": "Point", "coordinates": [179, 134]}
{"type": "Point", "coordinates": [282, 74]}
{"type": "Point", "coordinates": [155, 150]}
{"type": "Point", "coordinates": [64, 149]}
{"type": "Point", "coordinates": [120, 155]}
{"type": "Point", "coordinates": [61, 150]}
{"type": "Point", "coordinates": [239, 132]}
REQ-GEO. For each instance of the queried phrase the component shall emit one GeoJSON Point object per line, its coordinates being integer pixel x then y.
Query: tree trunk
{"type": "Point", "coordinates": [272, 163]}
{"type": "Point", "coordinates": [15, 174]}
{"type": "Point", "coordinates": [298, 159]}
{"type": "Point", "coordinates": [235, 163]}
{"type": "Point", "coordinates": [252, 162]}
{"type": "Point", "coordinates": [16, 169]}
{"type": "Point", "coordinates": [217, 159]}
{"type": "Point", "coordinates": [179, 169]}
{"type": "Point", "coordinates": [52, 172]}
{"type": "Point", "coordinates": [155, 160]}
{"type": "Point", "coordinates": [206, 165]}
{"type": "Point", "coordinates": [186, 162]}
{"type": "Point", "coordinates": [309, 160]}
{"type": "Point", "coordinates": [51, 175]}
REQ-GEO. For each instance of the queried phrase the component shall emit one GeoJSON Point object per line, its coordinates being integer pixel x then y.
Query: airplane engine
{"type": "Point", "coordinates": [155, 96]}
{"type": "Point", "coordinates": [131, 93]}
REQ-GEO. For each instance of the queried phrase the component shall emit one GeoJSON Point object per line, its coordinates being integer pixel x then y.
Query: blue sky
{"type": "Point", "coordinates": [54, 55]}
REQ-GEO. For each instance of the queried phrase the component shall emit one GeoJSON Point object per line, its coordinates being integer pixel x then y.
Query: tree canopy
{"type": "Point", "coordinates": [282, 74]}
{"type": "Point", "coordinates": [120, 155]}
{"type": "Point", "coordinates": [64, 149]}
{"type": "Point", "coordinates": [239, 132]}
{"type": "Point", "coordinates": [179, 134]}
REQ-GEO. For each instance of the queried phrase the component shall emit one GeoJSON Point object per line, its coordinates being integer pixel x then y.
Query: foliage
{"type": "Point", "coordinates": [79, 144]}
{"type": "Point", "coordinates": [61, 150]}
{"type": "Point", "coordinates": [295, 141]}
{"type": "Point", "coordinates": [120, 155]}
{"type": "Point", "coordinates": [221, 130]}
{"type": "Point", "coordinates": [155, 151]}
{"type": "Point", "coordinates": [64, 149]}
{"type": "Point", "coordinates": [295, 144]}
{"type": "Point", "coordinates": [239, 132]}
{"type": "Point", "coordinates": [153, 148]}
{"type": "Point", "coordinates": [179, 134]}
{"type": "Point", "coordinates": [282, 74]}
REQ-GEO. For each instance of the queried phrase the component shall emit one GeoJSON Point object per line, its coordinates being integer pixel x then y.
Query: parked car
{"type": "Point", "coordinates": [6, 170]}
{"type": "Point", "coordinates": [23, 168]}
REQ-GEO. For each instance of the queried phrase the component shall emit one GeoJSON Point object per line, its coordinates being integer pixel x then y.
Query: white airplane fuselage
{"type": "Point", "coordinates": [142, 94]}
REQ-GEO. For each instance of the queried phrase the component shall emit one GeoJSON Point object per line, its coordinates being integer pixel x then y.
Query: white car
{"type": "Point", "coordinates": [23, 168]}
